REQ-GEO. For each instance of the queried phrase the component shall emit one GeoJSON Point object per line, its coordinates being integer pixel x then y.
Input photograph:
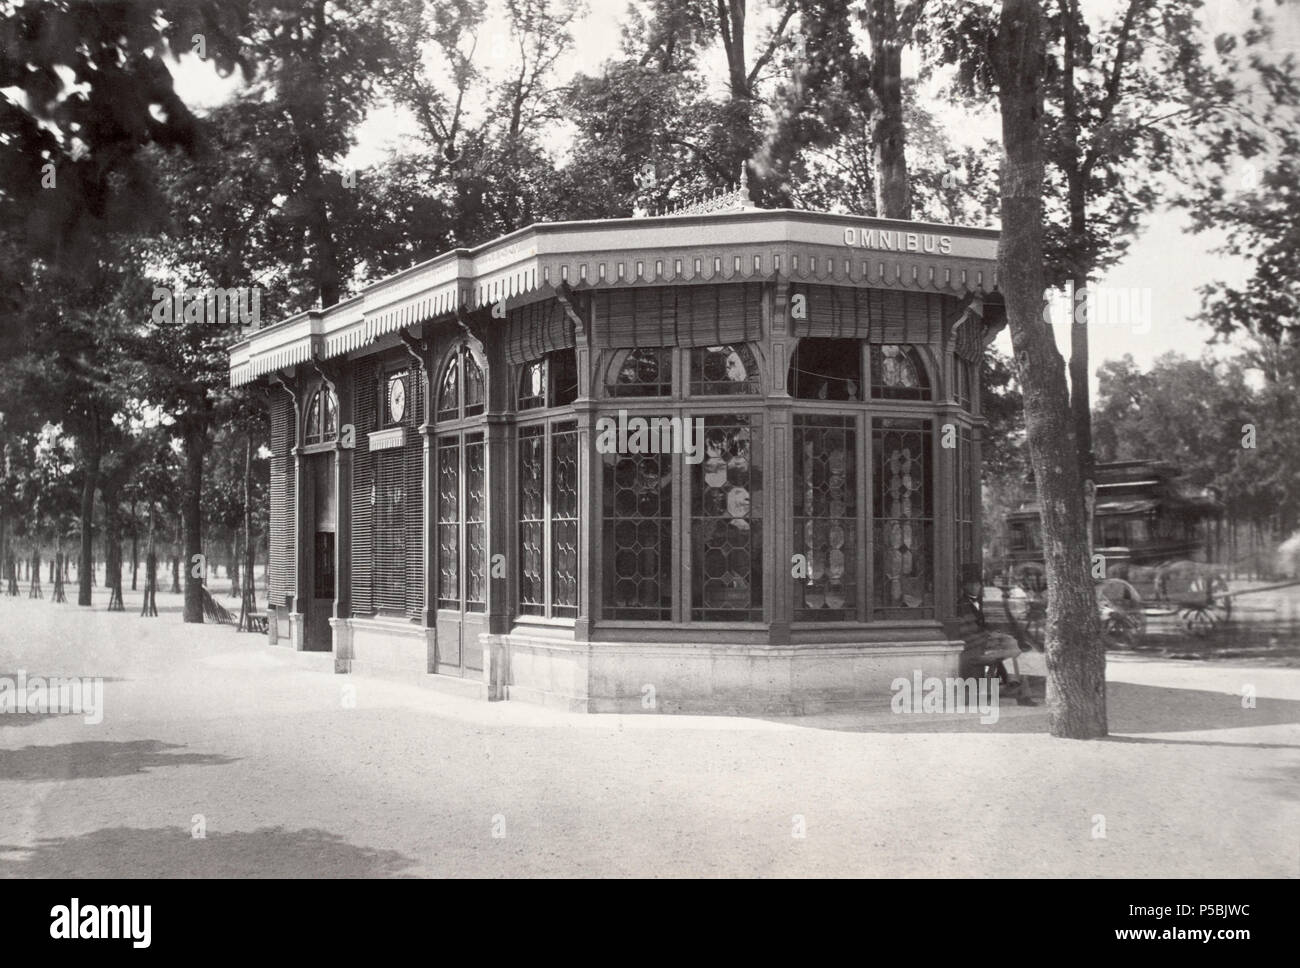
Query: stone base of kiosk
{"type": "Point", "coordinates": [623, 677]}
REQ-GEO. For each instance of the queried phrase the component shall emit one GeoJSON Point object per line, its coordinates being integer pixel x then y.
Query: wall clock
{"type": "Point", "coordinates": [396, 398]}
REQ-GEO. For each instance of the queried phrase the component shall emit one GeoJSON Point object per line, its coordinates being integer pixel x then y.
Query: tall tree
{"type": "Point", "coordinates": [1076, 661]}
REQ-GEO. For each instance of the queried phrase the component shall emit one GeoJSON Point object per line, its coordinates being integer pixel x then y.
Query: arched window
{"type": "Point", "coordinates": [726, 369]}
{"type": "Point", "coordinates": [461, 389]}
{"type": "Point", "coordinates": [551, 381]}
{"type": "Point", "coordinates": [322, 420]}
{"type": "Point", "coordinates": [897, 373]}
{"type": "Point", "coordinates": [826, 369]}
{"type": "Point", "coordinates": [641, 372]}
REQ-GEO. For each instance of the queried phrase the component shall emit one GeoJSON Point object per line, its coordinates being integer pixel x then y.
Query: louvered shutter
{"type": "Point", "coordinates": [363, 463]}
{"type": "Point", "coordinates": [534, 330]}
{"type": "Point", "coordinates": [413, 497]}
{"type": "Point", "coordinates": [389, 531]}
{"type": "Point", "coordinates": [878, 315]}
{"type": "Point", "coordinates": [679, 315]}
{"type": "Point", "coordinates": [282, 511]}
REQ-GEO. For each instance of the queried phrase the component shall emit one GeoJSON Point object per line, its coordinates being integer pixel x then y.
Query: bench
{"type": "Point", "coordinates": [257, 622]}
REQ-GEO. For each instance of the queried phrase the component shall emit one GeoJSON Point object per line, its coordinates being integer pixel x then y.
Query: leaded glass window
{"type": "Point", "coordinates": [312, 434]}
{"type": "Point", "coordinates": [449, 390]}
{"type": "Point", "coordinates": [462, 548]}
{"type": "Point", "coordinates": [532, 385]}
{"type": "Point", "coordinates": [825, 518]}
{"type": "Point", "coordinates": [548, 520]}
{"type": "Point", "coordinates": [903, 518]}
{"type": "Point", "coordinates": [532, 520]}
{"type": "Point", "coordinates": [826, 369]}
{"type": "Point", "coordinates": [322, 417]}
{"type": "Point", "coordinates": [449, 523]}
{"type": "Point", "coordinates": [475, 524]}
{"type": "Point", "coordinates": [637, 536]}
{"type": "Point", "coordinates": [549, 382]}
{"type": "Point", "coordinates": [564, 520]}
{"type": "Point", "coordinates": [897, 373]}
{"type": "Point", "coordinates": [461, 390]}
{"type": "Point", "coordinates": [726, 369]}
{"type": "Point", "coordinates": [474, 391]}
{"type": "Point", "coordinates": [641, 372]}
{"type": "Point", "coordinates": [726, 522]}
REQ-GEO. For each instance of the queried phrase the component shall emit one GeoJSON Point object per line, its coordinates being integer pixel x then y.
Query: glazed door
{"type": "Point", "coordinates": [321, 554]}
{"type": "Point", "coordinates": [461, 473]}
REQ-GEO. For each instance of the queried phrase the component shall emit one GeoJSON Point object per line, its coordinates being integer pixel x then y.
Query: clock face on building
{"type": "Point", "coordinates": [397, 398]}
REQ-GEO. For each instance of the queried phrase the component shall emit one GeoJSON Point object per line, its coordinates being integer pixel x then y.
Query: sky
{"type": "Point", "coordinates": [1163, 268]}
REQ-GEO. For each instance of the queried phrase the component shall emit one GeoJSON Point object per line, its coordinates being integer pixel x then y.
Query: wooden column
{"type": "Point", "coordinates": [778, 414]}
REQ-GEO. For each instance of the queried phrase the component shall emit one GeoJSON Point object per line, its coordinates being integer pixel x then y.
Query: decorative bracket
{"type": "Point", "coordinates": [416, 348]}
{"type": "Point", "coordinates": [564, 295]}
{"type": "Point", "coordinates": [328, 373]}
{"type": "Point", "coordinates": [470, 328]}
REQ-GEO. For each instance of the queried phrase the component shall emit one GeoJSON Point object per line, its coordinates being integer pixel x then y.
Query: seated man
{"type": "Point", "coordinates": [986, 651]}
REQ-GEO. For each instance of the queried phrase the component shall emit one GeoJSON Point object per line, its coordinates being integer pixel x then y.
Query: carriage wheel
{"type": "Point", "coordinates": [1202, 619]}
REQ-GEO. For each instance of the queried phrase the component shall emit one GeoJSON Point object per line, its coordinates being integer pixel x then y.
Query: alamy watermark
{"type": "Point", "coordinates": [651, 435]}
{"type": "Point", "coordinates": [53, 695]}
{"type": "Point", "coordinates": [238, 306]}
{"type": "Point", "coordinates": [1128, 306]}
{"type": "Point", "coordinates": [950, 695]}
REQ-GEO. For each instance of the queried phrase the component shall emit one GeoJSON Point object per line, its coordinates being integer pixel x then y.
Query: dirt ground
{"type": "Point", "coordinates": [290, 770]}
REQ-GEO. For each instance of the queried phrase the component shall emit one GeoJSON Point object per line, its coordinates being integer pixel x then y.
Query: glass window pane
{"type": "Point", "coordinates": [826, 518]}
{"type": "Point", "coordinates": [724, 370]}
{"type": "Point", "coordinates": [726, 522]}
{"type": "Point", "coordinates": [826, 369]}
{"type": "Point", "coordinates": [641, 372]}
{"type": "Point", "coordinates": [474, 394]}
{"type": "Point", "coordinates": [313, 419]}
{"type": "Point", "coordinates": [897, 373]}
{"type": "Point", "coordinates": [330, 425]}
{"type": "Point", "coordinates": [563, 367]}
{"type": "Point", "coordinates": [564, 520]}
{"type": "Point", "coordinates": [532, 520]}
{"type": "Point", "coordinates": [449, 523]}
{"type": "Point", "coordinates": [904, 516]}
{"type": "Point", "coordinates": [449, 390]}
{"type": "Point", "coordinates": [637, 536]}
{"type": "Point", "coordinates": [532, 385]}
{"type": "Point", "coordinates": [475, 529]}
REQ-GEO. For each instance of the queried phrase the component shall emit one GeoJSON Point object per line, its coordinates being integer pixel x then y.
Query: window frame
{"type": "Point", "coordinates": [864, 411]}
{"type": "Point", "coordinates": [321, 398]}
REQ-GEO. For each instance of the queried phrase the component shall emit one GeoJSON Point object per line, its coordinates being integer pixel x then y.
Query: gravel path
{"type": "Point", "coordinates": [294, 771]}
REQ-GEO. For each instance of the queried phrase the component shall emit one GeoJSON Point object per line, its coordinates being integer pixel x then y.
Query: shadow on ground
{"type": "Point", "coordinates": [119, 852]}
{"type": "Point", "coordinates": [1130, 708]}
{"type": "Point", "coordinates": [85, 761]}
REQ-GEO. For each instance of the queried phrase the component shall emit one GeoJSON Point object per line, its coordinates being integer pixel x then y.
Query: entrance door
{"type": "Point", "coordinates": [461, 553]}
{"type": "Point", "coordinates": [321, 556]}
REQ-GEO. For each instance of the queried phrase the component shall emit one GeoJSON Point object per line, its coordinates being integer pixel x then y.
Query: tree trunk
{"type": "Point", "coordinates": [1076, 660]}
{"type": "Point", "coordinates": [135, 548]}
{"type": "Point", "coordinates": [888, 135]}
{"type": "Point", "coordinates": [113, 552]}
{"type": "Point", "coordinates": [192, 521]}
{"type": "Point", "coordinates": [1080, 268]}
{"type": "Point", "coordinates": [232, 566]}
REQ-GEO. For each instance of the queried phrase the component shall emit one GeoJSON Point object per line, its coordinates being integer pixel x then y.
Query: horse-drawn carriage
{"type": "Point", "coordinates": [1156, 539]}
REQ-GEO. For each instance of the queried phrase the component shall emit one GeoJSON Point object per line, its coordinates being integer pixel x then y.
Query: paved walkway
{"type": "Point", "coordinates": [294, 771]}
